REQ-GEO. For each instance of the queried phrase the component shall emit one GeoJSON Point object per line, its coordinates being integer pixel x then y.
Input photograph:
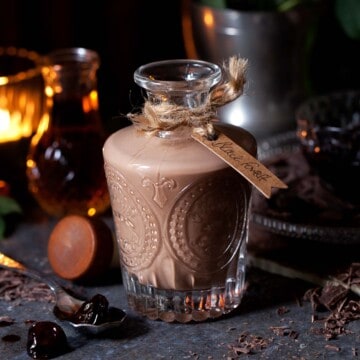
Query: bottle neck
{"type": "Point", "coordinates": [72, 99]}
{"type": "Point", "coordinates": [177, 135]}
{"type": "Point", "coordinates": [183, 99]}
{"type": "Point", "coordinates": [177, 94]}
{"type": "Point", "coordinates": [69, 79]}
{"type": "Point", "coordinates": [71, 71]}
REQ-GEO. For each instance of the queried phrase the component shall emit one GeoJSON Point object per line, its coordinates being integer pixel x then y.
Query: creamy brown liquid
{"type": "Point", "coordinates": [180, 212]}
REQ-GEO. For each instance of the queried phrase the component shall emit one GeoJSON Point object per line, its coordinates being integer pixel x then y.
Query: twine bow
{"type": "Point", "coordinates": [167, 116]}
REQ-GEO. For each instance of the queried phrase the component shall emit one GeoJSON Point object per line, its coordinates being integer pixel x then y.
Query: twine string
{"type": "Point", "coordinates": [166, 116]}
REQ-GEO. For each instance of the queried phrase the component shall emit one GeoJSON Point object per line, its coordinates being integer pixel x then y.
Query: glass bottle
{"type": "Point", "coordinates": [180, 212]}
{"type": "Point", "coordinates": [65, 166]}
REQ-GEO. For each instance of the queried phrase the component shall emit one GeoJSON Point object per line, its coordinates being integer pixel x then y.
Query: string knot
{"type": "Point", "coordinates": [167, 116]}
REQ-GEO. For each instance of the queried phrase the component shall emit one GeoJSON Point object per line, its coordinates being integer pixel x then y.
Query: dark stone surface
{"type": "Point", "coordinates": [140, 338]}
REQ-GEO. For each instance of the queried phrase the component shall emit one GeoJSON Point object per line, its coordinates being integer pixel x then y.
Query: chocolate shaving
{"type": "Point", "coordinates": [282, 310]}
{"type": "Point", "coordinates": [284, 331]}
{"type": "Point", "coordinates": [332, 347]}
{"type": "Point", "coordinates": [249, 344]}
{"type": "Point", "coordinates": [336, 298]}
{"type": "Point", "coordinates": [6, 321]}
{"type": "Point", "coordinates": [307, 200]}
{"type": "Point", "coordinates": [17, 287]}
{"type": "Point", "coordinates": [11, 338]}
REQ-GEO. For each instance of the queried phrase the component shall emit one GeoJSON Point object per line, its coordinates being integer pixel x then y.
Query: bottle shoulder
{"type": "Point", "coordinates": [128, 146]}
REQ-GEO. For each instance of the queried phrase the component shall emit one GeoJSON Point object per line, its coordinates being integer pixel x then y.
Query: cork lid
{"type": "Point", "coordinates": [80, 248]}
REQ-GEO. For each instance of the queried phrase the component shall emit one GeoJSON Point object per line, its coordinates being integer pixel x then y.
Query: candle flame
{"type": "Point", "coordinates": [11, 126]}
{"type": "Point", "coordinates": [4, 80]}
{"type": "Point", "coordinates": [208, 19]}
{"type": "Point", "coordinates": [21, 94]}
{"type": "Point", "coordinates": [90, 103]}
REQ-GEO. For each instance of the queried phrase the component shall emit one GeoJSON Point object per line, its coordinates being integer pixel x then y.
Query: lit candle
{"type": "Point", "coordinates": [12, 127]}
{"type": "Point", "coordinates": [21, 93]}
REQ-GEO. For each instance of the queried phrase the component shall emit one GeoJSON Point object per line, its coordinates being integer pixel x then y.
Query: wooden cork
{"type": "Point", "coordinates": [80, 248]}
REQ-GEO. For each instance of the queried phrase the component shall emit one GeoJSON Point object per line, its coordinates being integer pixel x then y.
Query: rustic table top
{"type": "Point", "coordinates": [272, 322]}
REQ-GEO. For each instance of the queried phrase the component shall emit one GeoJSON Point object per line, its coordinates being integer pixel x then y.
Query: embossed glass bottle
{"type": "Point", "coordinates": [180, 212]}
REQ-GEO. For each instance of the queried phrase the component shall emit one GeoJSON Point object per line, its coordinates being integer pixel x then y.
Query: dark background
{"type": "Point", "coordinates": [125, 33]}
{"type": "Point", "coordinates": [129, 33]}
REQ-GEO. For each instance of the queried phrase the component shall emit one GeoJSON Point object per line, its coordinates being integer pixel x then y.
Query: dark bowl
{"type": "Point", "coordinates": [328, 128]}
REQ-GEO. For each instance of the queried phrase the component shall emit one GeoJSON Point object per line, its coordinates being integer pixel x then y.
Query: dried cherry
{"type": "Point", "coordinates": [94, 311]}
{"type": "Point", "coordinates": [46, 340]}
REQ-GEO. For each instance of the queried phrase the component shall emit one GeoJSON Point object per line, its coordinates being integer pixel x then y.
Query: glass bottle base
{"type": "Point", "coordinates": [183, 306]}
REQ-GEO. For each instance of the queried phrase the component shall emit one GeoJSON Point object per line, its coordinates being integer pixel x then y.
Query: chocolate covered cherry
{"type": "Point", "coordinates": [46, 340]}
{"type": "Point", "coordinates": [93, 311]}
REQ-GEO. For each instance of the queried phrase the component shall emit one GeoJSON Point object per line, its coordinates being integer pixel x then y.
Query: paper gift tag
{"type": "Point", "coordinates": [248, 166]}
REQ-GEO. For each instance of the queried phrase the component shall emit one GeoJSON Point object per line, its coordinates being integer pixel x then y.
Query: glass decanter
{"type": "Point", "coordinates": [180, 212]}
{"type": "Point", "coordinates": [65, 164]}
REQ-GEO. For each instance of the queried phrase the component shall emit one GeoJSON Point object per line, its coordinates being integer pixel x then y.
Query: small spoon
{"type": "Point", "coordinates": [67, 306]}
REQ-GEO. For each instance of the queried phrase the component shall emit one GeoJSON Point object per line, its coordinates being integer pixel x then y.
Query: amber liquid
{"type": "Point", "coordinates": [65, 167]}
